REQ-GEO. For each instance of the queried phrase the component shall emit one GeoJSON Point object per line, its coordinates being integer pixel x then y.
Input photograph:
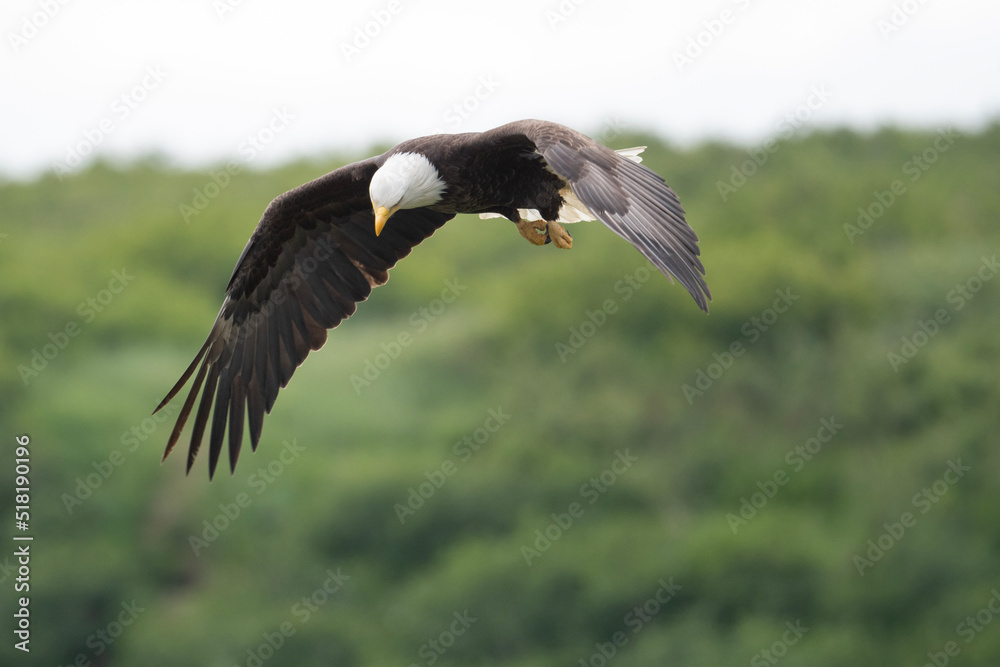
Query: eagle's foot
{"type": "Point", "coordinates": [548, 232]}
{"type": "Point", "coordinates": [559, 236]}
{"type": "Point", "coordinates": [530, 230]}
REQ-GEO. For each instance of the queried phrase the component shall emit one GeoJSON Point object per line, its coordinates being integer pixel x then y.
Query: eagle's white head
{"type": "Point", "coordinates": [406, 180]}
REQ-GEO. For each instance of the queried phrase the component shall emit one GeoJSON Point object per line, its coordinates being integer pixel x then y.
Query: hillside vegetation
{"type": "Point", "coordinates": [523, 456]}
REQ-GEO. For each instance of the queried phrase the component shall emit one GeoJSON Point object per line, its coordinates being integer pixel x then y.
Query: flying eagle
{"type": "Point", "coordinates": [321, 248]}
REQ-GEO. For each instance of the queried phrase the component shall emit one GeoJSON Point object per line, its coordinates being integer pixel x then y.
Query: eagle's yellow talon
{"type": "Point", "coordinates": [552, 232]}
{"type": "Point", "coordinates": [528, 230]}
{"type": "Point", "coordinates": [559, 236]}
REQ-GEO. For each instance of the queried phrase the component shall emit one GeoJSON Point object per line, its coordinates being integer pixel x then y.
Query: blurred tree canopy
{"type": "Point", "coordinates": [566, 462]}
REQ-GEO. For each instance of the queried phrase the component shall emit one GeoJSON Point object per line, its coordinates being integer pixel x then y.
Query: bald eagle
{"type": "Point", "coordinates": [321, 248]}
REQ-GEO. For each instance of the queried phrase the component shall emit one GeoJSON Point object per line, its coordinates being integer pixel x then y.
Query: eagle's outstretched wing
{"type": "Point", "coordinates": [312, 257]}
{"type": "Point", "coordinates": [626, 196]}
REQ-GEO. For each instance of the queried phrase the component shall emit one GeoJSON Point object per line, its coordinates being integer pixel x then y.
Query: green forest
{"type": "Point", "coordinates": [519, 455]}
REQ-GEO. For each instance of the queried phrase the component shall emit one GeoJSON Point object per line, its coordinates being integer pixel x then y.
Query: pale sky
{"type": "Point", "coordinates": [205, 81]}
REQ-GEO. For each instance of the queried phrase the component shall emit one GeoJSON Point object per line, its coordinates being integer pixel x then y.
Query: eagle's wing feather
{"type": "Point", "coordinates": [312, 257]}
{"type": "Point", "coordinates": [626, 196]}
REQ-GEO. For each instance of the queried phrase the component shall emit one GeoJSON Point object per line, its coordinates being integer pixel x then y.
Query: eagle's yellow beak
{"type": "Point", "coordinates": [381, 215]}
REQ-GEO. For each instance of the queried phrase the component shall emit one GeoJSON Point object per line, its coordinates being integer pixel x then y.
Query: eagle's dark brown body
{"type": "Point", "coordinates": [489, 175]}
